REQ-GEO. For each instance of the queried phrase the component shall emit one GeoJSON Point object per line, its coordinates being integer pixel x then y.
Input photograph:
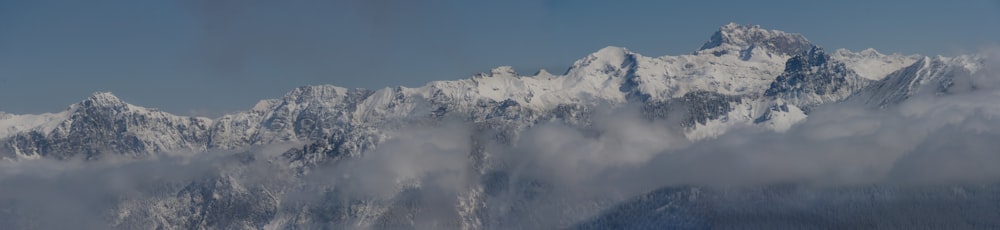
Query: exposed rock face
{"type": "Point", "coordinates": [744, 39]}
{"type": "Point", "coordinates": [812, 78]}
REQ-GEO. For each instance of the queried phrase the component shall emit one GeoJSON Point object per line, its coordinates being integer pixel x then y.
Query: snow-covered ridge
{"type": "Point", "coordinates": [928, 75]}
{"type": "Point", "coordinates": [11, 124]}
{"type": "Point", "coordinates": [733, 75]}
{"type": "Point", "coordinates": [102, 122]}
{"type": "Point", "coordinates": [873, 65]}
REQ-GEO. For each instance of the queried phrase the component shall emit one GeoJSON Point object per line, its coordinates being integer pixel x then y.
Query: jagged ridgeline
{"type": "Point", "coordinates": [743, 76]}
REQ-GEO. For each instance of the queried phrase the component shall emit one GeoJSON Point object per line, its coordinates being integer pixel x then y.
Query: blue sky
{"type": "Point", "coordinates": [212, 57]}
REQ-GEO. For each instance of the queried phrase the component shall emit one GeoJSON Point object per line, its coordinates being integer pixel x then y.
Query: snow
{"type": "Point", "coordinates": [598, 78]}
{"type": "Point", "coordinates": [927, 73]}
{"type": "Point", "coordinates": [161, 132]}
{"type": "Point", "coordinates": [11, 124]}
{"type": "Point", "coordinates": [739, 60]}
{"type": "Point", "coordinates": [778, 116]}
{"type": "Point", "coordinates": [734, 39]}
{"type": "Point", "coordinates": [741, 114]}
{"type": "Point", "coordinates": [105, 98]}
{"type": "Point", "coordinates": [264, 105]}
{"type": "Point", "coordinates": [781, 121]}
{"type": "Point", "coordinates": [871, 64]}
{"type": "Point", "coordinates": [726, 74]}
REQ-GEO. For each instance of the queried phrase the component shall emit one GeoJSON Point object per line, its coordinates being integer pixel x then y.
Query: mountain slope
{"type": "Point", "coordinates": [104, 124]}
{"type": "Point", "coordinates": [929, 75]}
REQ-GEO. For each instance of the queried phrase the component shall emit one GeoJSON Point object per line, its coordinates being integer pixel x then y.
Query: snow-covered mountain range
{"type": "Point", "coordinates": [743, 76]}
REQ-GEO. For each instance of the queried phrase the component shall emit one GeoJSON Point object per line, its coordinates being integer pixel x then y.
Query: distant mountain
{"type": "Point", "coordinates": [736, 77]}
{"type": "Point", "coordinates": [102, 124]}
{"type": "Point", "coordinates": [744, 75]}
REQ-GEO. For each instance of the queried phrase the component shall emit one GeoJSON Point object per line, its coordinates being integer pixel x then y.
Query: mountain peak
{"type": "Point", "coordinates": [610, 56]}
{"type": "Point", "coordinates": [612, 52]}
{"type": "Point", "coordinates": [102, 99]}
{"type": "Point", "coordinates": [871, 53]}
{"type": "Point", "coordinates": [315, 93]}
{"type": "Point", "coordinates": [503, 71]}
{"type": "Point", "coordinates": [739, 39]}
{"type": "Point", "coordinates": [542, 73]}
{"type": "Point", "coordinates": [732, 26]}
{"type": "Point", "coordinates": [608, 53]}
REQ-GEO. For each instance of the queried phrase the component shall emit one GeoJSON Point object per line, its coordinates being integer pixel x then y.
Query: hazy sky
{"type": "Point", "coordinates": [210, 57]}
